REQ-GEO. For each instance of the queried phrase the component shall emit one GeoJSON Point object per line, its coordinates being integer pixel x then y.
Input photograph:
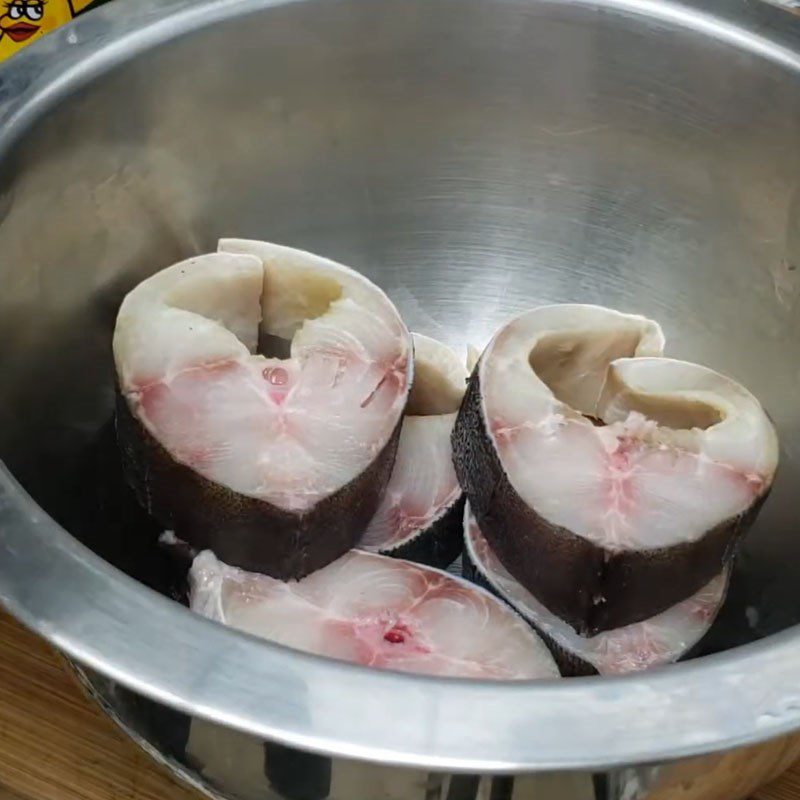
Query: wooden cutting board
{"type": "Point", "coordinates": [55, 745]}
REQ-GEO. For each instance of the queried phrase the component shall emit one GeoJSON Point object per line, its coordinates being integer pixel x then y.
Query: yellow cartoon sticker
{"type": "Point", "coordinates": [24, 21]}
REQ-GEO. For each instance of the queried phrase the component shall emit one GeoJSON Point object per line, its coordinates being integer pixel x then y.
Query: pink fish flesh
{"type": "Point", "coordinates": [379, 612]}
{"type": "Point", "coordinates": [289, 431]}
{"type": "Point", "coordinates": [683, 448]}
{"type": "Point", "coordinates": [643, 645]}
{"type": "Point", "coordinates": [423, 486]}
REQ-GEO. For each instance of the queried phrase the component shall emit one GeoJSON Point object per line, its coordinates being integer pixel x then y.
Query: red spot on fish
{"type": "Point", "coordinates": [397, 633]}
{"type": "Point", "coordinates": [702, 612]}
{"type": "Point", "coordinates": [277, 379]}
{"type": "Point", "coordinates": [277, 376]}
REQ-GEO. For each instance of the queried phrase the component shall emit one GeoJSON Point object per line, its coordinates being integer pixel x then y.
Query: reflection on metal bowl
{"type": "Point", "coordinates": [474, 158]}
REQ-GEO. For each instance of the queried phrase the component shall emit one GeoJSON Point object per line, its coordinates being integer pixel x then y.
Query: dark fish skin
{"type": "Point", "coordinates": [569, 664]}
{"type": "Point", "coordinates": [439, 545]}
{"type": "Point", "coordinates": [243, 531]}
{"type": "Point", "coordinates": [606, 589]}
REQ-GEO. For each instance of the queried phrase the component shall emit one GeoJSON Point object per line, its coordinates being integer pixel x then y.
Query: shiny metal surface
{"type": "Point", "coordinates": [475, 157]}
{"type": "Point", "coordinates": [225, 763]}
{"type": "Point", "coordinates": [789, 5]}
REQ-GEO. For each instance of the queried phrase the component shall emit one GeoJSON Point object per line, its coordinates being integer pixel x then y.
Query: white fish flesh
{"type": "Point", "coordinates": [584, 452]}
{"type": "Point", "coordinates": [275, 463]}
{"type": "Point", "coordinates": [660, 640]}
{"type": "Point", "coordinates": [379, 612]}
{"type": "Point", "coordinates": [419, 517]}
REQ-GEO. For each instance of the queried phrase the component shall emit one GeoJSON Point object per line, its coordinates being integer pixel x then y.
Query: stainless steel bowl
{"type": "Point", "coordinates": [475, 157]}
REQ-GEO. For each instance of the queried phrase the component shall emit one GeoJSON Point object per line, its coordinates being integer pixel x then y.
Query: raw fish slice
{"type": "Point", "coordinates": [660, 640]}
{"type": "Point", "coordinates": [277, 464]}
{"type": "Point", "coordinates": [584, 453]}
{"type": "Point", "coordinates": [623, 493]}
{"type": "Point", "coordinates": [419, 517]}
{"type": "Point", "coordinates": [379, 612]}
{"type": "Point", "coordinates": [695, 409]}
{"type": "Point", "coordinates": [439, 379]}
{"type": "Point", "coordinates": [149, 347]}
{"type": "Point", "coordinates": [422, 489]}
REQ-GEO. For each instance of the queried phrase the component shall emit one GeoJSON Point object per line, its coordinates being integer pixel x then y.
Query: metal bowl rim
{"type": "Point", "coordinates": [114, 625]}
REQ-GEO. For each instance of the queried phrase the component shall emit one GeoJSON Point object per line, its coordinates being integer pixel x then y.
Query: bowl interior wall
{"type": "Point", "coordinates": [474, 158]}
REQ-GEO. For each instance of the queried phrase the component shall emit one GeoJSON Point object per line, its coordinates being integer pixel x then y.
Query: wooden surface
{"type": "Point", "coordinates": [55, 745]}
